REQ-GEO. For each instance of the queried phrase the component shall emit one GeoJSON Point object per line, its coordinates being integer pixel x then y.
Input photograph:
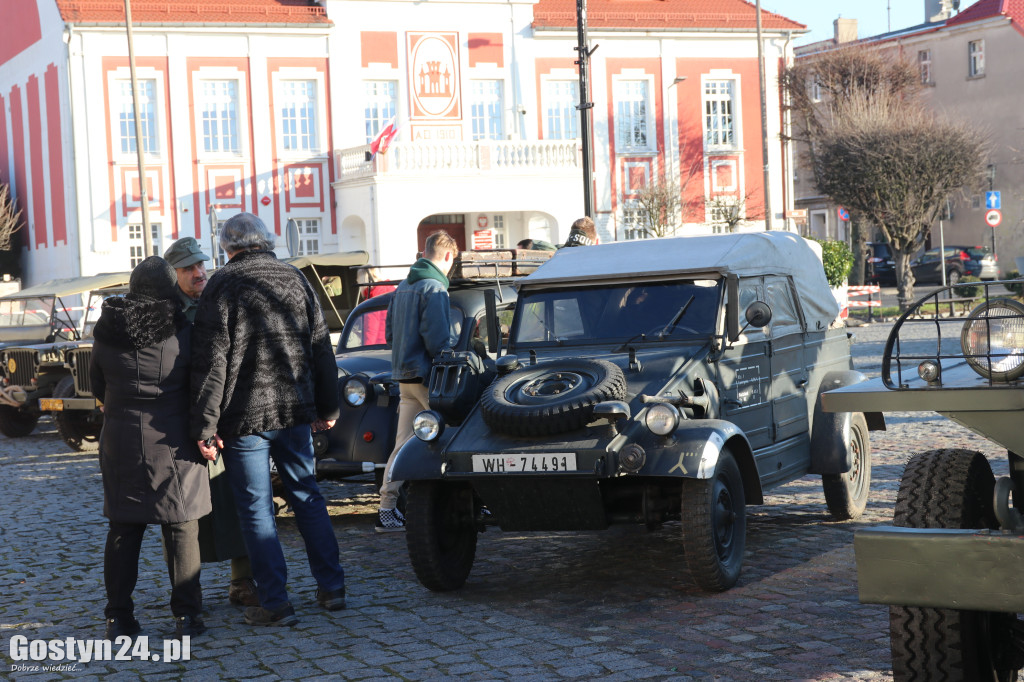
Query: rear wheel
{"type": "Point", "coordinates": [441, 533]}
{"type": "Point", "coordinates": [714, 526]}
{"type": "Point", "coordinates": [950, 489]}
{"type": "Point", "coordinates": [953, 277]}
{"type": "Point", "coordinates": [847, 494]}
{"type": "Point", "coordinates": [15, 422]}
{"type": "Point", "coordinates": [78, 428]}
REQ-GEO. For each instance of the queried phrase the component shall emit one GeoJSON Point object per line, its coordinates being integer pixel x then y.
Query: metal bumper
{"type": "Point", "coordinates": [66, 404]}
{"type": "Point", "coordinates": [974, 570]}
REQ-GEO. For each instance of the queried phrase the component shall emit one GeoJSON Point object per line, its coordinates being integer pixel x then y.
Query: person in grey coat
{"type": "Point", "coordinates": [152, 471]}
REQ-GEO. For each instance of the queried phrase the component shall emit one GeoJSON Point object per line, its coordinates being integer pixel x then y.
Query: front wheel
{"type": "Point", "coordinates": [950, 489]}
{"type": "Point", "coordinates": [15, 422]}
{"type": "Point", "coordinates": [953, 277]}
{"type": "Point", "coordinates": [78, 428]}
{"type": "Point", "coordinates": [441, 533]}
{"type": "Point", "coordinates": [847, 494]}
{"type": "Point", "coordinates": [715, 526]}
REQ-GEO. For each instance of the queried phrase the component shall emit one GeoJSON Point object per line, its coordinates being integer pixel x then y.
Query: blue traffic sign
{"type": "Point", "coordinates": [842, 213]}
{"type": "Point", "coordinates": [992, 200]}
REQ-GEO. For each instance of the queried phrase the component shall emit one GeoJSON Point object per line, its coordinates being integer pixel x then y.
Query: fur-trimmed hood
{"type": "Point", "coordinates": [138, 321]}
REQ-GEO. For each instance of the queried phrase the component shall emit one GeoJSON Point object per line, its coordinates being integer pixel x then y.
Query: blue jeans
{"type": "Point", "coordinates": [248, 467]}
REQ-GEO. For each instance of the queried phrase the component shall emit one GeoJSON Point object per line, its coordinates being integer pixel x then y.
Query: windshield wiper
{"type": "Point", "coordinates": [675, 319]}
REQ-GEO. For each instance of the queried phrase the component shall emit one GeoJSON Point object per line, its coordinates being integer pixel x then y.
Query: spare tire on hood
{"type": "Point", "coordinates": [551, 397]}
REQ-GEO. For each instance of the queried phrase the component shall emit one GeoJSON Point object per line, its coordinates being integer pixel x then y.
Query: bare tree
{"type": "Point", "coordinates": [729, 212]}
{"type": "Point", "coordinates": [897, 163]}
{"type": "Point", "coordinates": [660, 207]}
{"type": "Point", "coordinates": [10, 218]}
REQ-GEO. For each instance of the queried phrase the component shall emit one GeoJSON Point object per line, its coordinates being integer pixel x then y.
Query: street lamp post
{"type": "Point", "coordinates": [991, 183]}
{"type": "Point", "coordinates": [585, 105]}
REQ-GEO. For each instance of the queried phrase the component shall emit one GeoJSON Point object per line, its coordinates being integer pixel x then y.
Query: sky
{"type": "Point", "coordinates": [873, 16]}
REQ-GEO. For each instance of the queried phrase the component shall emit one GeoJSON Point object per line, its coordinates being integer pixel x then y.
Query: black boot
{"type": "Point", "coordinates": [188, 625]}
{"type": "Point", "coordinates": [122, 626]}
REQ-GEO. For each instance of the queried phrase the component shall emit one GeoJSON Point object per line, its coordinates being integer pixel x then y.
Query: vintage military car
{"type": "Point", "coordinates": [364, 435]}
{"type": "Point", "coordinates": [42, 332]}
{"type": "Point", "coordinates": [950, 567]}
{"type": "Point", "coordinates": [633, 392]}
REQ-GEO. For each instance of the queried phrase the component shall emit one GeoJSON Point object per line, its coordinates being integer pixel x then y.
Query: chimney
{"type": "Point", "coordinates": [938, 10]}
{"type": "Point", "coordinates": [845, 30]}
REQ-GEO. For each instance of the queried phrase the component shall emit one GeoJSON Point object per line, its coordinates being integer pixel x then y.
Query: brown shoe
{"type": "Point", "coordinates": [243, 592]}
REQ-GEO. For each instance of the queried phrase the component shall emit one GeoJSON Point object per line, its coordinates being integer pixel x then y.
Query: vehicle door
{"type": "Point", "coordinates": [786, 352]}
{"type": "Point", "coordinates": [744, 374]}
{"type": "Point", "coordinates": [928, 268]}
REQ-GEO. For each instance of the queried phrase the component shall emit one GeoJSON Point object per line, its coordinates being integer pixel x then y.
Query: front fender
{"type": "Point", "coordinates": [694, 449]}
{"type": "Point", "coordinates": [418, 460]}
{"type": "Point", "coordinates": [830, 431]}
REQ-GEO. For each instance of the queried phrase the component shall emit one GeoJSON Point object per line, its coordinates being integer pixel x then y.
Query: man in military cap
{"type": "Point", "coordinates": [220, 536]}
{"type": "Point", "coordinates": [187, 259]}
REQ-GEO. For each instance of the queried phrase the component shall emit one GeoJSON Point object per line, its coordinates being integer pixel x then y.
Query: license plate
{"type": "Point", "coordinates": [519, 463]}
{"type": "Point", "coordinates": [51, 404]}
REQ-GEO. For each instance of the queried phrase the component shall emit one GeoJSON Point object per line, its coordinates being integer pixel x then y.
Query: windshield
{"type": "Point", "coordinates": [365, 328]}
{"type": "Point", "coordinates": [628, 312]}
{"type": "Point", "coordinates": [25, 312]}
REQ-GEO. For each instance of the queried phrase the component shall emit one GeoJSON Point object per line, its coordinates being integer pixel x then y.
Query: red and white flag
{"type": "Point", "coordinates": [385, 137]}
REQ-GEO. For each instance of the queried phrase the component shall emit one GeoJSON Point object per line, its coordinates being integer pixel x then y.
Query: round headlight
{"type": "Point", "coordinates": [992, 340]}
{"type": "Point", "coordinates": [929, 371]}
{"type": "Point", "coordinates": [427, 425]}
{"type": "Point", "coordinates": [355, 392]}
{"type": "Point", "coordinates": [662, 419]}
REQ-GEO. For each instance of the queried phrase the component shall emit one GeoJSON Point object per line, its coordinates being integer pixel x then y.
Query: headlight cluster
{"type": "Point", "coordinates": [992, 340]}
{"type": "Point", "coordinates": [427, 425]}
{"type": "Point", "coordinates": [356, 391]}
{"type": "Point", "coordinates": [662, 419]}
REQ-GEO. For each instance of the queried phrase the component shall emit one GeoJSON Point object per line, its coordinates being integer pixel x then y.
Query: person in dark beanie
{"type": "Point", "coordinates": [583, 233]}
{"type": "Point", "coordinates": [220, 536]}
{"type": "Point", "coordinates": [263, 378]}
{"type": "Point", "coordinates": [152, 471]}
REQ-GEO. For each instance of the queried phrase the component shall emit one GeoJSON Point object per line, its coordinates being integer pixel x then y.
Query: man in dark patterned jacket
{"type": "Point", "coordinates": [263, 372]}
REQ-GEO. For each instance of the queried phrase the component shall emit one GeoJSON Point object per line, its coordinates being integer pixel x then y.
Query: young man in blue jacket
{"type": "Point", "coordinates": [418, 328]}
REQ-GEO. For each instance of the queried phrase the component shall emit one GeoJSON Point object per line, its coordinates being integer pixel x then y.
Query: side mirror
{"type": "Point", "coordinates": [758, 314]}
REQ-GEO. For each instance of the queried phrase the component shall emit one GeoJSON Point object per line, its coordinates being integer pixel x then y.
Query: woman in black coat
{"type": "Point", "coordinates": [152, 471]}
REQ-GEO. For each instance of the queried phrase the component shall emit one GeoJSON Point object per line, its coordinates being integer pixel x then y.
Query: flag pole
{"type": "Point", "coordinates": [147, 233]}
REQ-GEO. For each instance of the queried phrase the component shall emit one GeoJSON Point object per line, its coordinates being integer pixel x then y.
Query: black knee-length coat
{"type": "Point", "coordinates": [152, 469]}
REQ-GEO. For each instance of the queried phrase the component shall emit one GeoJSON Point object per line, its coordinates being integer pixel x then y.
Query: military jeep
{"type": "Point", "coordinates": [664, 380]}
{"type": "Point", "coordinates": [950, 566]}
{"type": "Point", "coordinates": [42, 333]}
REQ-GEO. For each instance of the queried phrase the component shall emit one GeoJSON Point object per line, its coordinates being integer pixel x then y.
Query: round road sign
{"type": "Point", "coordinates": [993, 217]}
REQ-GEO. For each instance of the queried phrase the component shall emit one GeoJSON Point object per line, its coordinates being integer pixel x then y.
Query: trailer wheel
{"type": "Point", "coordinates": [77, 428]}
{"type": "Point", "coordinates": [441, 533]}
{"type": "Point", "coordinates": [15, 422]}
{"type": "Point", "coordinates": [950, 489]}
{"type": "Point", "coordinates": [714, 515]}
{"type": "Point", "coordinates": [847, 494]}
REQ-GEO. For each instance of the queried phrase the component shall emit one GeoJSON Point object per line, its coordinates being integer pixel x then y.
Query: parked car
{"type": "Point", "coordinates": [949, 567]}
{"type": "Point", "coordinates": [880, 268]}
{"type": "Point", "coordinates": [989, 262]}
{"type": "Point", "coordinates": [632, 392]}
{"type": "Point", "coordinates": [39, 330]}
{"type": "Point", "coordinates": [958, 263]}
{"type": "Point", "coordinates": [364, 435]}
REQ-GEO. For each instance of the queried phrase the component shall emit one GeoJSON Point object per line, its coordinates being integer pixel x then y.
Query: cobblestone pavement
{"type": "Point", "coordinates": [614, 605]}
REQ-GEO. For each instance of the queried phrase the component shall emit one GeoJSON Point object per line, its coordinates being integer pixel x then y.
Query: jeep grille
{"type": "Point", "coordinates": [26, 363]}
{"type": "Point", "coordinates": [80, 360]}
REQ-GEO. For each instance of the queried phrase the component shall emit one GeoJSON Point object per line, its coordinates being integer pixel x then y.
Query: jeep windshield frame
{"type": "Point", "coordinates": [633, 312]}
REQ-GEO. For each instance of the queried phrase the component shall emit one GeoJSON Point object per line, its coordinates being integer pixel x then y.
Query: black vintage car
{"type": "Point", "coordinates": [364, 435]}
{"type": "Point", "coordinates": [632, 392]}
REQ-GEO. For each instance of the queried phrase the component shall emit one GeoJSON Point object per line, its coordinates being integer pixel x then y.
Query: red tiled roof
{"type": "Point", "coordinates": [664, 14]}
{"type": "Point", "coordinates": [986, 9]}
{"type": "Point", "coordinates": [195, 11]}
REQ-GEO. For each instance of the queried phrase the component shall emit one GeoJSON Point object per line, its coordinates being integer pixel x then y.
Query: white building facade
{"type": "Point", "coordinates": [268, 106]}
